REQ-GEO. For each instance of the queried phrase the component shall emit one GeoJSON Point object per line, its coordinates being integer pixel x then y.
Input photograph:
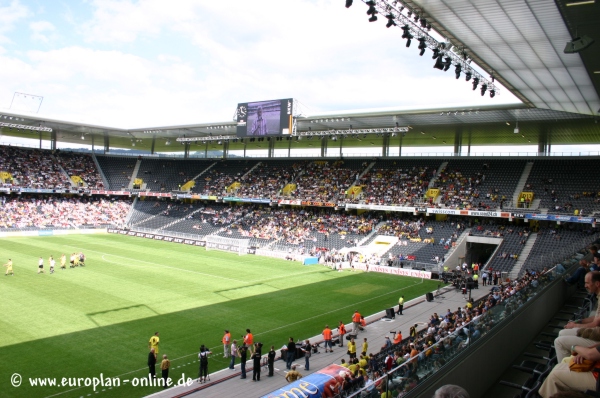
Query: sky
{"type": "Point", "coordinates": [152, 63]}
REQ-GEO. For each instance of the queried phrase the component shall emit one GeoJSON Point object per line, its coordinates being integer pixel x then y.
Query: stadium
{"type": "Point", "coordinates": [274, 223]}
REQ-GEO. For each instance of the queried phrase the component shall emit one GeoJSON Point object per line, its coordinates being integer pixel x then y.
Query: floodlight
{"type": "Point", "coordinates": [447, 63]}
{"type": "Point", "coordinates": [371, 11]}
{"type": "Point", "coordinates": [406, 35]}
{"type": "Point", "coordinates": [483, 89]}
{"type": "Point", "coordinates": [390, 21]}
{"type": "Point", "coordinates": [475, 82]}
{"type": "Point", "coordinates": [422, 46]}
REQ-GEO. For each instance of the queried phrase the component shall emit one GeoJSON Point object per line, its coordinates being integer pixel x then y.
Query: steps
{"type": "Point", "coordinates": [523, 256]}
{"type": "Point", "coordinates": [134, 173]}
{"type": "Point", "coordinates": [521, 183]}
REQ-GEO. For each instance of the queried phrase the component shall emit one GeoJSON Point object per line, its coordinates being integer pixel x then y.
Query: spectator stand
{"type": "Point", "coordinates": [166, 175]}
{"type": "Point", "coordinates": [214, 182]}
{"type": "Point", "coordinates": [81, 169]}
{"type": "Point", "coordinates": [479, 183]}
{"type": "Point", "coordinates": [118, 170]}
{"type": "Point", "coordinates": [563, 186]}
{"type": "Point", "coordinates": [398, 181]}
{"type": "Point", "coordinates": [31, 168]}
{"type": "Point", "coordinates": [32, 212]}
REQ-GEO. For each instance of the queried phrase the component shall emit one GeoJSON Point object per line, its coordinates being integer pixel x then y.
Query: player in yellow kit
{"type": "Point", "coordinates": [63, 261]}
{"type": "Point", "coordinates": [9, 269]}
{"type": "Point", "coordinates": [153, 342]}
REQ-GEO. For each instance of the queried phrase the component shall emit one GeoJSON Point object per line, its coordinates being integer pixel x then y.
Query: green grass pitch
{"type": "Point", "coordinates": [96, 320]}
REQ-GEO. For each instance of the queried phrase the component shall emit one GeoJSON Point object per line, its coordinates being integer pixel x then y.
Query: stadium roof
{"type": "Point", "coordinates": [520, 42]}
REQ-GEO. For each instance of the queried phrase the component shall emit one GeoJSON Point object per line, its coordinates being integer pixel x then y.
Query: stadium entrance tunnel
{"type": "Point", "coordinates": [480, 252]}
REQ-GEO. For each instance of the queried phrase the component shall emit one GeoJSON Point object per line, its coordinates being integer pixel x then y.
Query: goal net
{"type": "Point", "coordinates": [239, 246]}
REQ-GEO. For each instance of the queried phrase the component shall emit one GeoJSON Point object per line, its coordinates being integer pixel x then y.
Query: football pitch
{"type": "Point", "coordinates": [95, 321]}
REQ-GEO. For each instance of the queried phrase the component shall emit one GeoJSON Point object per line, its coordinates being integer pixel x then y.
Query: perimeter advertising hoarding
{"type": "Point", "coordinates": [326, 382]}
{"type": "Point", "coordinates": [257, 119]}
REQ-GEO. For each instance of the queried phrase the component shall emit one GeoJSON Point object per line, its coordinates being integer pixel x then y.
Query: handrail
{"type": "Point", "coordinates": [408, 374]}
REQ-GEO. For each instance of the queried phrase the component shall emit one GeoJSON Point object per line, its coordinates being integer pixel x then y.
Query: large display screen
{"type": "Point", "coordinates": [256, 119]}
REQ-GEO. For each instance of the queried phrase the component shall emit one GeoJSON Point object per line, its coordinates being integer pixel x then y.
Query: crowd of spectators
{"type": "Point", "coordinates": [324, 182]}
{"type": "Point", "coordinates": [266, 181]}
{"type": "Point", "coordinates": [390, 186]}
{"type": "Point", "coordinates": [82, 166]}
{"type": "Point", "coordinates": [465, 192]}
{"type": "Point", "coordinates": [424, 350]}
{"type": "Point", "coordinates": [31, 168]}
{"type": "Point", "coordinates": [298, 227]}
{"type": "Point", "coordinates": [62, 212]}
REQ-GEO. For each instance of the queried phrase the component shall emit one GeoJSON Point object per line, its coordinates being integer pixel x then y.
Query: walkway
{"type": "Point", "coordinates": [227, 383]}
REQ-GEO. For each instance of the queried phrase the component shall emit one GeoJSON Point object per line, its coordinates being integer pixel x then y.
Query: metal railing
{"type": "Point", "coordinates": [407, 375]}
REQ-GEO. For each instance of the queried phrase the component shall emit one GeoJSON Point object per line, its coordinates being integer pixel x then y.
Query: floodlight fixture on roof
{"type": "Point", "coordinates": [414, 24]}
{"type": "Point", "coordinates": [447, 63]}
{"type": "Point", "coordinates": [475, 83]}
{"type": "Point", "coordinates": [390, 17]}
{"type": "Point", "coordinates": [457, 70]}
{"type": "Point", "coordinates": [422, 45]}
{"type": "Point", "coordinates": [348, 3]}
{"type": "Point", "coordinates": [372, 11]}
{"type": "Point", "coordinates": [407, 35]}
{"type": "Point", "coordinates": [484, 89]}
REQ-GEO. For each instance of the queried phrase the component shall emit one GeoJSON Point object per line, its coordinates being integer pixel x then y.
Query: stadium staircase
{"type": "Point", "coordinates": [178, 220]}
{"type": "Point", "coordinates": [365, 171]}
{"type": "Point", "coordinates": [204, 171]}
{"type": "Point", "coordinates": [251, 170]}
{"type": "Point", "coordinates": [437, 173]}
{"type": "Point", "coordinates": [523, 256]}
{"type": "Point", "coordinates": [521, 183]}
{"type": "Point", "coordinates": [131, 211]}
{"type": "Point", "coordinates": [101, 172]}
{"type": "Point", "coordinates": [145, 219]}
{"type": "Point", "coordinates": [459, 241]}
{"type": "Point", "coordinates": [374, 232]}
{"type": "Point", "coordinates": [134, 173]}
{"type": "Point", "coordinates": [62, 170]}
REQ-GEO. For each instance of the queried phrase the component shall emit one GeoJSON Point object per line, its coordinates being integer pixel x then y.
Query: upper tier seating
{"type": "Point", "coordinates": [564, 185]}
{"type": "Point", "coordinates": [169, 175]}
{"type": "Point", "coordinates": [479, 183]}
{"type": "Point", "coordinates": [398, 181]}
{"type": "Point", "coordinates": [32, 168]}
{"type": "Point", "coordinates": [81, 165]}
{"type": "Point", "coordinates": [117, 170]}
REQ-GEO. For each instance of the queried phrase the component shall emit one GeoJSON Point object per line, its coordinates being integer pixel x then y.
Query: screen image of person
{"type": "Point", "coordinates": [259, 126]}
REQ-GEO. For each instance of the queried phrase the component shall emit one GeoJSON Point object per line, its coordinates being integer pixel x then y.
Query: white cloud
{"type": "Point", "coordinates": [9, 16]}
{"type": "Point", "coordinates": [123, 21]}
{"type": "Point", "coordinates": [42, 31]}
{"type": "Point", "coordinates": [151, 63]}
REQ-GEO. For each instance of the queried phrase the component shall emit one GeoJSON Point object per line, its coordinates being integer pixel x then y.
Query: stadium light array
{"type": "Point", "coordinates": [25, 127]}
{"type": "Point", "coordinates": [352, 132]}
{"type": "Point", "coordinates": [414, 23]}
